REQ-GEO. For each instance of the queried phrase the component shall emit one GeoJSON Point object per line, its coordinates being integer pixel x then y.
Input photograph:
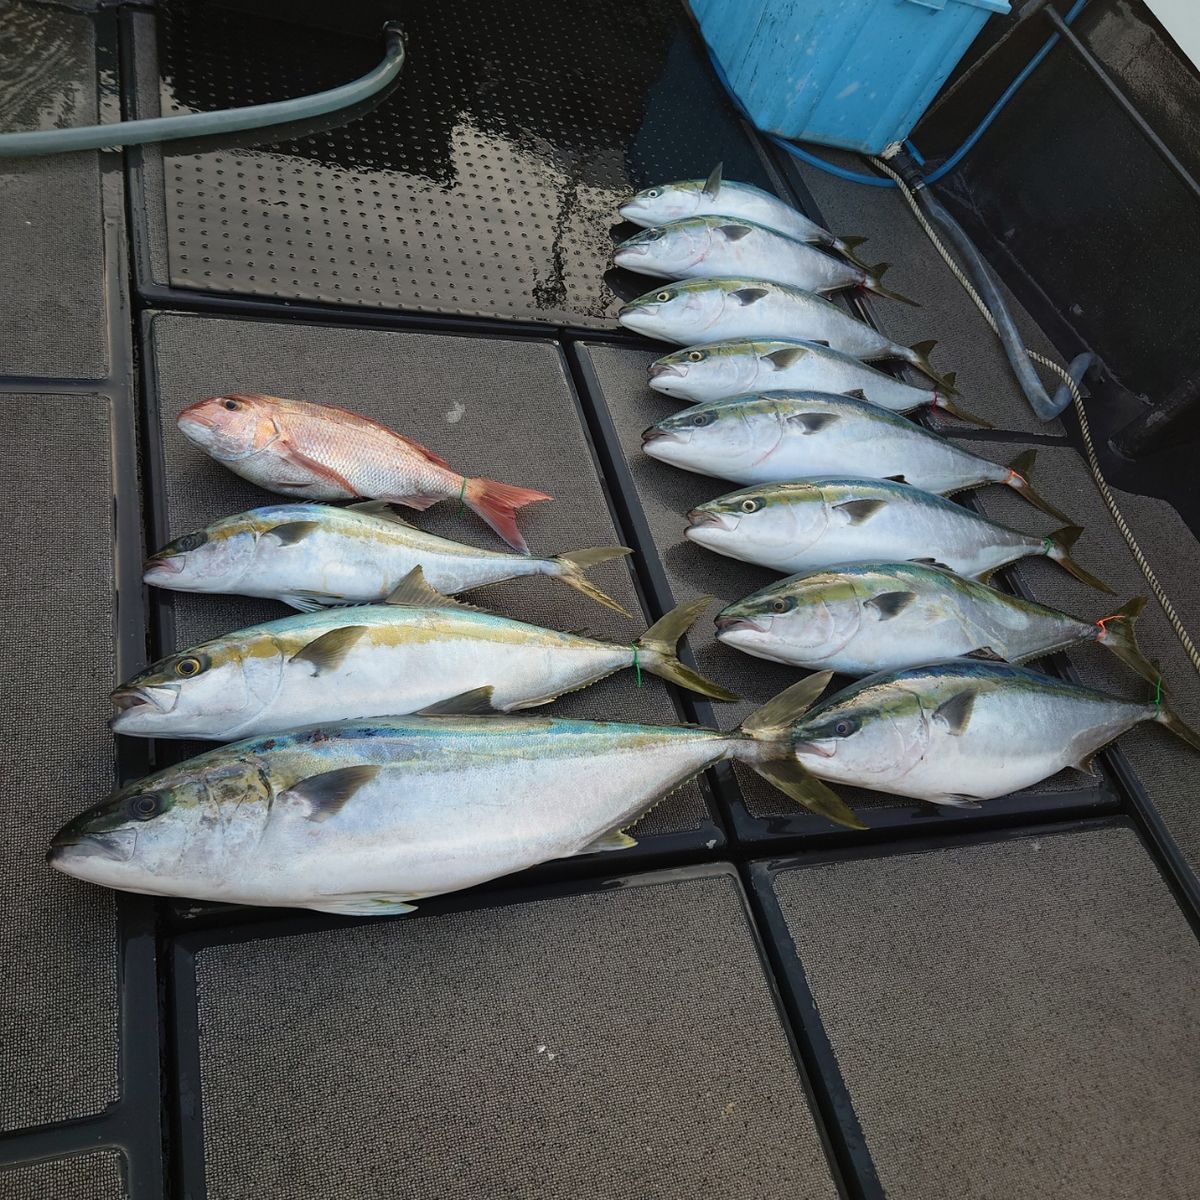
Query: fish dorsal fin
{"type": "Point", "coordinates": [329, 651]}
{"type": "Point", "coordinates": [933, 562]}
{"type": "Point", "coordinates": [820, 342]}
{"type": "Point", "coordinates": [984, 654]}
{"type": "Point", "coordinates": [895, 479]}
{"type": "Point", "coordinates": [749, 295]}
{"type": "Point", "coordinates": [812, 422]}
{"type": "Point", "coordinates": [782, 359]}
{"type": "Point", "coordinates": [415, 591]}
{"type": "Point", "coordinates": [291, 532]}
{"type": "Point", "coordinates": [379, 508]}
{"type": "Point", "coordinates": [474, 703]}
{"type": "Point", "coordinates": [325, 794]}
{"type": "Point", "coordinates": [955, 713]}
{"type": "Point", "coordinates": [423, 451]}
{"type": "Point", "coordinates": [790, 705]}
{"type": "Point", "coordinates": [891, 604]}
{"type": "Point", "coordinates": [858, 512]}
{"type": "Point", "coordinates": [712, 185]}
{"type": "Point", "coordinates": [857, 394]}
{"type": "Point", "coordinates": [734, 233]}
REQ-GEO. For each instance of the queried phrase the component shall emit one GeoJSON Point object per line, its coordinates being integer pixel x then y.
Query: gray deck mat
{"type": "Point", "coordinates": [1165, 766]}
{"type": "Point", "coordinates": [95, 1176]}
{"type": "Point", "coordinates": [438, 389]}
{"type": "Point", "coordinates": [571, 1048]}
{"type": "Point", "coordinates": [666, 494]}
{"type": "Point", "coordinates": [53, 323]}
{"type": "Point", "coordinates": [965, 343]}
{"type": "Point", "coordinates": [1011, 1020]}
{"type": "Point", "coordinates": [58, 1010]}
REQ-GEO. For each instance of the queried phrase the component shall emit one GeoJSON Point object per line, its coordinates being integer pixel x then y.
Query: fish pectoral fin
{"type": "Point", "coordinates": [749, 295]}
{"type": "Point", "coordinates": [379, 508]}
{"type": "Point", "coordinates": [782, 359]}
{"type": "Point", "coordinates": [415, 591]}
{"type": "Point", "coordinates": [891, 604]}
{"type": "Point", "coordinates": [291, 532]}
{"type": "Point", "coordinates": [329, 651]}
{"type": "Point", "coordinates": [807, 790]}
{"type": "Point", "coordinates": [325, 794]}
{"type": "Point", "coordinates": [860, 511]}
{"type": "Point", "coordinates": [361, 905]}
{"type": "Point", "coordinates": [986, 653]}
{"type": "Point", "coordinates": [812, 422]}
{"type": "Point", "coordinates": [476, 702]}
{"type": "Point", "coordinates": [614, 839]}
{"type": "Point", "coordinates": [300, 459]}
{"type": "Point", "coordinates": [956, 800]}
{"type": "Point", "coordinates": [734, 232]}
{"type": "Point", "coordinates": [955, 713]}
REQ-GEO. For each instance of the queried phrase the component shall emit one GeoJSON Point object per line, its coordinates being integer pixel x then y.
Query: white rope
{"type": "Point", "coordinates": [1093, 462]}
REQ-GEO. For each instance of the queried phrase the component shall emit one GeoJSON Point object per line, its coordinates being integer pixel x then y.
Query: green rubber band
{"type": "Point", "coordinates": [462, 491]}
{"type": "Point", "coordinates": [637, 666]}
{"type": "Point", "coordinates": [1048, 544]}
{"type": "Point", "coordinates": [1158, 691]}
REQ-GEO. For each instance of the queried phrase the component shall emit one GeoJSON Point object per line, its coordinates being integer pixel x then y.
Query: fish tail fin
{"type": "Point", "coordinates": [846, 247]}
{"type": "Point", "coordinates": [1117, 634]}
{"type": "Point", "coordinates": [872, 284]}
{"type": "Point", "coordinates": [1166, 715]}
{"type": "Point", "coordinates": [766, 749]}
{"type": "Point", "coordinates": [660, 644]}
{"type": "Point", "coordinates": [942, 401]}
{"type": "Point", "coordinates": [569, 568]}
{"type": "Point", "coordinates": [1018, 478]}
{"type": "Point", "coordinates": [1058, 546]}
{"type": "Point", "coordinates": [497, 504]}
{"type": "Point", "coordinates": [918, 356]}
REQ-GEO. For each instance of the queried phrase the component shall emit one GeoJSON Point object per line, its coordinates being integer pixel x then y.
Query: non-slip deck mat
{"type": "Point", "coordinates": [665, 494]}
{"type": "Point", "coordinates": [1017, 1019]}
{"type": "Point", "coordinates": [58, 1011]}
{"type": "Point", "coordinates": [491, 406]}
{"type": "Point", "coordinates": [53, 321]}
{"type": "Point", "coordinates": [486, 184]}
{"type": "Point", "coordinates": [95, 1176]}
{"type": "Point", "coordinates": [576, 1048]}
{"type": "Point", "coordinates": [965, 343]}
{"type": "Point", "coordinates": [1166, 768]}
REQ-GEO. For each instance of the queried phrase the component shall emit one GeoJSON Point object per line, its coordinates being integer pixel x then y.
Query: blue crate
{"type": "Point", "coordinates": [851, 73]}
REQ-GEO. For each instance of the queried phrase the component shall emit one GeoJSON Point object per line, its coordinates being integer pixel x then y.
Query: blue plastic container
{"type": "Point", "coordinates": [851, 73]}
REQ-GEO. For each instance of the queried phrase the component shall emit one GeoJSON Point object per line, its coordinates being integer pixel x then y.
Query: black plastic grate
{"type": "Point", "coordinates": [486, 184]}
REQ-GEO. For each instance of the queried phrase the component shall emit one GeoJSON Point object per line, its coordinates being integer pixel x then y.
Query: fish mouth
{"type": "Point", "coordinates": [129, 702]}
{"type": "Point", "coordinates": [817, 748]}
{"type": "Point", "coordinates": [700, 518]}
{"type": "Point", "coordinates": [735, 624]}
{"type": "Point", "coordinates": [626, 252]}
{"type": "Point", "coordinates": [655, 434]}
{"type": "Point", "coordinates": [661, 370]}
{"type": "Point", "coordinates": [168, 564]}
{"type": "Point", "coordinates": [66, 848]}
{"type": "Point", "coordinates": [634, 310]}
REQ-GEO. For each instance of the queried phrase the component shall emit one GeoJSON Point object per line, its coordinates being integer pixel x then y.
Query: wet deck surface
{"type": "Point", "coordinates": [956, 1004]}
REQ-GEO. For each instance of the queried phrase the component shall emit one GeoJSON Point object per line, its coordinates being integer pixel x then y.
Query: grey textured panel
{"type": "Point", "coordinates": [1011, 1020]}
{"type": "Point", "coordinates": [666, 494]}
{"type": "Point", "coordinates": [1165, 766]}
{"type": "Point", "coordinates": [58, 945]}
{"type": "Point", "coordinates": [965, 343]}
{"type": "Point", "coordinates": [492, 407]}
{"type": "Point", "coordinates": [574, 1047]}
{"type": "Point", "coordinates": [54, 321]}
{"type": "Point", "coordinates": [96, 1176]}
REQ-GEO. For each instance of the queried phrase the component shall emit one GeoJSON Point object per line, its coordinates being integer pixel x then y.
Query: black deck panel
{"type": "Point", "coordinates": [576, 1046]}
{"type": "Point", "coordinates": [616, 383]}
{"type": "Point", "coordinates": [53, 321]}
{"type": "Point", "coordinates": [485, 185]}
{"type": "Point", "coordinates": [443, 391]}
{"type": "Point", "coordinates": [1014, 1018]}
{"type": "Point", "coordinates": [96, 1176]}
{"type": "Point", "coordinates": [58, 972]}
{"type": "Point", "coordinates": [965, 342]}
{"type": "Point", "coordinates": [1165, 768]}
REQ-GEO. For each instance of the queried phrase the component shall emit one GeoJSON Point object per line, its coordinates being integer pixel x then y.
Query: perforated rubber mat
{"type": "Point", "coordinates": [485, 184]}
{"type": "Point", "coordinates": [439, 389]}
{"type": "Point", "coordinates": [576, 1048]}
{"type": "Point", "coordinates": [616, 379]}
{"type": "Point", "coordinates": [1011, 1019]}
{"type": "Point", "coordinates": [58, 986]}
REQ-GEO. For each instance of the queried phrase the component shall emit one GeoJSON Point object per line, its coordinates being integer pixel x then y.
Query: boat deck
{"type": "Point", "coordinates": [750, 1002]}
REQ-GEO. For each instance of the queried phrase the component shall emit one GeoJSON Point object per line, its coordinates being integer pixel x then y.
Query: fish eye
{"type": "Point", "coordinates": [663, 297]}
{"type": "Point", "coordinates": [652, 235]}
{"type": "Point", "coordinates": [145, 806]}
{"type": "Point", "coordinates": [751, 504]}
{"type": "Point", "coordinates": [232, 405]}
{"type": "Point", "coordinates": [781, 605]}
{"type": "Point", "coordinates": [187, 667]}
{"type": "Point", "coordinates": [652, 193]}
{"type": "Point", "coordinates": [701, 419]}
{"type": "Point", "coordinates": [696, 356]}
{"type": "Point", "coordinates": [191, 541]}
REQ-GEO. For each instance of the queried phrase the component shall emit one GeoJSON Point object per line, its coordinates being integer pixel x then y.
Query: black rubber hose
{"type": "Point", "coordinates": [986, 284]}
